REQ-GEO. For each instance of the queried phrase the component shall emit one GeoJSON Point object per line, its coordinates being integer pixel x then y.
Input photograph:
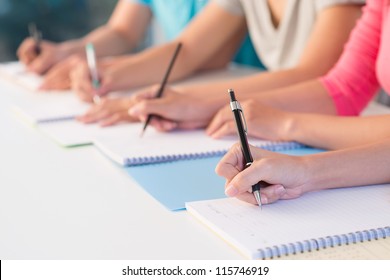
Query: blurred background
{"type": "Point", "coordinates": [58, 20]}
{"type": "Point", "coordinates": [61, 20]}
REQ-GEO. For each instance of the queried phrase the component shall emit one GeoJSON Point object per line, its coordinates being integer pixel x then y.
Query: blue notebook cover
{"type": "Point", "coordinates": [175, 183]}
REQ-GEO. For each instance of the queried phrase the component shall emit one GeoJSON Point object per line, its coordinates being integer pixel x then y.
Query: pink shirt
{"type": "Point", "coordinates": [365, 62]}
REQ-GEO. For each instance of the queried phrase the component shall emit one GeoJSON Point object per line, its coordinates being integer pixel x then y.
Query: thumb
{"type": "Point", "coordinates": [40, 65]}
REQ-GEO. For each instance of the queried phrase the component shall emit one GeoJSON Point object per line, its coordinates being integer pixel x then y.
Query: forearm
{"type": "Point", "coordinates": [303, 97]}
{"type": "Point", "coordinates": [149, 66]}
{"type": "Point", "coordinates": [109, 42]}
{"type": "Point", "coordinates": [306, 97]}
{"type": "Point", "coordinates": [359, 166]}
{"type": "Point", "coordinates": [330, 132]}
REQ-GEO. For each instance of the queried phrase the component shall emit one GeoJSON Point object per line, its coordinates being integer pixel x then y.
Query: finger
{"type": "Point", "coordinates": [227, 128]}
{"type": "Point", "coordinates": [58, 77]}
{"type": "Point", "coordinates": [98, 116]}
{"type": "Point", "coordinates": [244, 180]}
{"type": "Point", "coordinates": [163, 125]}
{"type": "Point", "coordinates": [250, 198]}
{"type": "Point", "coordinates": [107, 84]}
{"type": "Point", "coordinates": [231, 163]}
{"type": "Point", "coordinates": [189, 125]}
{"type": "Point", "coordinates": [111, 120]}
{"type": "Point", "coordinates": [147, 107]}
{"type": "Point", "coordinates": [273, 193]}
{"type": "Point", "coordinates": [95, 110]}
{"type": "Point", "coordinates": [55, 82]}
{"type": "Point", "coordinates": [219, 119]}
{"type": "Point", "coordinates": [81, 84]}
{"type": "Point", "coordinates": [90, 113]}
{"type": "Point", "coordinates": [26, 51]}
{"type": "Point", "coordinates": [40, 64]}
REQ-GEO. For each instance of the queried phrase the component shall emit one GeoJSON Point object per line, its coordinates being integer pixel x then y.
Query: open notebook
{"type": "Point", "coordinates": [17, 73]}
{"type": "Point", "coordinates": [312, 222]}
{"type": "Point", "coordinates": [131, 149]}
{"type": "Point", "coordinates": [73, 133]}
{"type": "Point", "coordinates": [36, 106]}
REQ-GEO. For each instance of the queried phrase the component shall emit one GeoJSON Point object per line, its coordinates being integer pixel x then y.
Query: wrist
{"type": "Point", "coordinates": [289, 127]}
{"type": "Point", "coordinates": [71, 47]}
{"type": "Point", "coordinates": [310, 173]}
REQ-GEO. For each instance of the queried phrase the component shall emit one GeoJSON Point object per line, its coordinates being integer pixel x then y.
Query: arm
{"type": "Point", "coordinates": [327, 132]}
{"type": "Point", "coordinates": [342, 91]}
{"type": "Point", "coordinates": [213, 27]}
{"type": "Point", "coordinates": [311, 96]}
{"type": "Point", "coordinates": [317, 58]}
{"type": "Point", "coordinates": [122, 33]}
{"type": "Point", "coordinates": [292, 176]}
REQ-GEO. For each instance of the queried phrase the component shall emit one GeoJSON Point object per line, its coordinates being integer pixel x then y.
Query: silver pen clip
{"type": "Point", "coordinates": [234, 105]}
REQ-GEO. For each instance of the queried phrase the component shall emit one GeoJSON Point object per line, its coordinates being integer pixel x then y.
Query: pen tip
{"type": "Point", "coordinates": [258, 199]}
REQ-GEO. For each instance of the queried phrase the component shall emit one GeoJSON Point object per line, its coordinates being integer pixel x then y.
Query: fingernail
{"type": "Point", "coordinates": [280, 190]}
{"type": "Point", "coordinates": [231, 190]}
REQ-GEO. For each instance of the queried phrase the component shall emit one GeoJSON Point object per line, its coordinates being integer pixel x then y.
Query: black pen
{"type": "Point", "coordinates": [36, 35]}
{"type": "Point", "coordinates": [242, 131]}
{"type": "Point", "coordinates": [163, 83]}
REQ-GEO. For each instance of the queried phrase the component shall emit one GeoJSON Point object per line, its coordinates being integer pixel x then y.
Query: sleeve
{"type": "Point", "coordinates": [352, 82]}
{"type": "Point", "coordinates": [322, 4]}
{"type": "Point", "coordinates": [232, 6]}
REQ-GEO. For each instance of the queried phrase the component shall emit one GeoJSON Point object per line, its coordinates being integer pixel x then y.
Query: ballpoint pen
{"type": "Point", "coordinates": [163, 83]}
{"type": "Point", "coordinates": [36, 35]}
{"type": "Point", "coordinates": [242, 131]}
{"type": "Point", "coordinates": [91, 60]}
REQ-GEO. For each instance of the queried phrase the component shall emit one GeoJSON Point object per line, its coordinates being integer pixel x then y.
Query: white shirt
{"type": "Point", "coordinates": [281, 47]}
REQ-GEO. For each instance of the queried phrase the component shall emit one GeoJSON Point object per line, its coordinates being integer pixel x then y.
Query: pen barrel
{"type": "Point", "coordinates": [243, 139]}
{"type": "Point", "coordinates": [260, 185]}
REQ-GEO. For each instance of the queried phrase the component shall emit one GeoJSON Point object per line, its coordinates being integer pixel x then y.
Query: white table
{"type": "Point", "coordinates": [58, 203]}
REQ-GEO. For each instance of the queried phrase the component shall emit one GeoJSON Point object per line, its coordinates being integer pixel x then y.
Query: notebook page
{"type": "Point", "coordinates": [154, 146]}
{"type": "Point", "coordinates": [313, 216]}
{"type": "Point", "coordinates": [16, 72]}
{"type": "Point", "coordinates": [74, 133]}
{"type": "Point", "coordinates": [41, 108]}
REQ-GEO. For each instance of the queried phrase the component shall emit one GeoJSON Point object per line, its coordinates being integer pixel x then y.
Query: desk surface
{"type": "Point", "coordinates": [58, 203]}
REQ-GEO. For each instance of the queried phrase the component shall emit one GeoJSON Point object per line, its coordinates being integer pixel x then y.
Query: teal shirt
{"type": "Point", "coordinates": [174, 15]}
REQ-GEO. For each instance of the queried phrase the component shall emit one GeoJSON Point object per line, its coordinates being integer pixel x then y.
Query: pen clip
{"type": "Point", "coordinates": [244, 121]}
{"type": "Point", "coordinates": [235, 105]}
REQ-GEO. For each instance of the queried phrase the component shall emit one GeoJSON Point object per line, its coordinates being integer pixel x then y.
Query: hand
{"type": "Point", "coordinates": [58, 77]}
{"type": "Point", "coordinates": [263, 122]}
{"type": "Point", "coordinates": [176, 110]}
{"type": "Point", "coordinates": [111, 79]}
{"type": "Point", "coordinates": [287, 175]}
{"type": "Point", "coordinates": [109, 112]}
{"type": "Point", "coordinates": [50, 54]}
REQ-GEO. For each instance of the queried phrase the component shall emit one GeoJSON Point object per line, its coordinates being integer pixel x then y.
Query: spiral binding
{"type": "Point", "coordinates": [273, 146]}
{"type": "Point", "coordinates": [59, 119]}
{"type": "Point", "coordinates": [324, 242]}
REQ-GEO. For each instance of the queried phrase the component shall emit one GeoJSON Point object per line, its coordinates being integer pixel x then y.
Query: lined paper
{"type": "Point", "coordinates": [313, 216]}
{"type": "Point", "coordinates": [154, 146]}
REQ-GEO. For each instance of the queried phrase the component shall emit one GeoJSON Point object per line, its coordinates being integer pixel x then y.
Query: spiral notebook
{"type": "Point", "coordinates": [48, 108]}
{"type": "Point", "coordinates": [312, 222]}
{"type": "Point", "coordinates": [16, 72]}
{"type": "Point", "coordinates": [155, 147]}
